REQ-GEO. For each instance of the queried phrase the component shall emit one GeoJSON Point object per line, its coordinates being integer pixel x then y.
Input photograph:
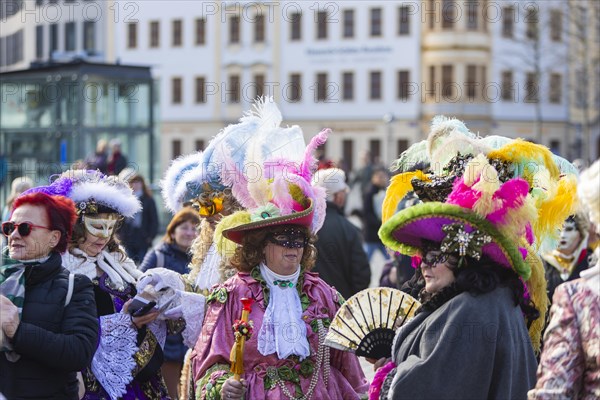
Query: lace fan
{"type": "Point", "coordinates": [366, 323]}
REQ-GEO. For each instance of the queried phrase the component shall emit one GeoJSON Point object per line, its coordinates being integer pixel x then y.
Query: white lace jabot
{"type": "Point", "coordinates": [283, 330]}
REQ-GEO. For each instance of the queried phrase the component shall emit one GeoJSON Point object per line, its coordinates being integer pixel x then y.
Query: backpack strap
{"type": "Point", "coordinates": [70, 289]}
{"type": "Point", "coordinates": [160, 258]}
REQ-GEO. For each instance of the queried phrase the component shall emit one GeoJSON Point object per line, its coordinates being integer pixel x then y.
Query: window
{"type": "Point", "coordinates": [175, 148]}
{"type": "Point", "coordinates": [295, 88]}
{"type": "Point", "coordinates": [70, 36]}
{"type": "Point", "coordinates": [177, 27]}
{"type": "Point", "coordinates": [508, 22]}
{"type": "Point", "coordinates": [89, 36]}
{"type": "Point", "coordinates": [259, 85]}
{"type": "Point", "coordinates": [322, 25]}
{"type": "Point", "coordinates": [375, 85]}
{"type": "Point", "coordinates": [200, 89]}
{"type": "Point", "coordinates": [296, 26]}
{"type": "Point", "coordinates": [483, 80]}
{"type": "Point", "coordinates": [234, 29]}
{"type": "Point", "coordinates": [531, 88]}
{"type": "Point", "coordinates": [507, 86]}
{"type": "Point", "coordinates": [348, 153]}
{"type": "Point", "coordinates": [321, 86]}
{"type": "Point", "coordinates": [199, 145]}
{"type": "Point", "coordinates": [200, 31]}
{"type": "Point", "coordinates": [375, 149]}
{"type": "Point", "coordinates": [432, 82]}
{"type": "Point", "coordinates": [176, 88]}
{"type": "Point", "coordinates": [531, 18]}
{"type": "Point", "coordinates": [403, 85]}
{"type": "Point", "coordinates": [401, 146]}
{"type": "Point", "coordinates": [555, 88]}
{"type": "Point", "coordinates": [430, 13]}
{"type": "Point", "coordinates": [471, 81]}
{"type": "Point", "coordinates": [11, 47]}
{"type": "Point", "coordinates": [376, 23]}
{"type": "Point", "coordinates": [348, 24]}
{"type": "Point", "coordinates": [448, 14]}
{"type": "Point", "coordinates": [154, 34]}
{"type": "Point", "coordinates": [472, 15]}
{"type": "Point", "coordinates": [348, 86]}
{"type": "Point", "coordinates": [234, 88]}
{"type": "Point", "coordinates": [447, 81]}
{"type": "Point", "coordinates": [39, 41]}
{"type": "Point", "coordinates": [555, 25]}
{"type": "Point", "coordinates": [53, 38]}
{"type": "Point", "coordinates": [259, 28]}
{"type": "Point", "coordinates": [131, 35]}
{"type": "Point", "coordinates": [403, 20]}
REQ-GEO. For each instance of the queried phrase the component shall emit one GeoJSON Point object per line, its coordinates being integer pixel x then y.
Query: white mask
{"type": "Point", "coordinates": [100, 227]}
{"type": "Point", "coordinates": [569, 238]}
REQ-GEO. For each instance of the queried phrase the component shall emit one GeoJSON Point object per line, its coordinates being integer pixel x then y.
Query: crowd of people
{"type": "Point", "coordinates": [236, 300]}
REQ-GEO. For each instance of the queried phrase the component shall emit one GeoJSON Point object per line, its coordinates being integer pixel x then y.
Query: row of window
{"type": "Point", "coordinates": [70, 38]}
{"type": "Point", "coordinates": [11, 48]}
{"type": "Point", "coordinates": [441, 82]}
{"type": "Point", "coordinates": [532, 19]}
{"type": "Point", "coordinates": [259, 28]}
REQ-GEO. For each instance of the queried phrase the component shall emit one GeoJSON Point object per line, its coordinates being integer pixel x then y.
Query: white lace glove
{"type": "Point", "coordinates": [160, 278]}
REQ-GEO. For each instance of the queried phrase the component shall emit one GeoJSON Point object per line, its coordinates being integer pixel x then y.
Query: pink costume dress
{"type": "Point", "coordinates": [570, 363]}
{"type": "Point", "coordinates": [267, 375]}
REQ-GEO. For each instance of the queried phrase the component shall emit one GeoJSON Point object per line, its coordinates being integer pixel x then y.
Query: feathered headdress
{"type": "Point", "coordinates": [93, 192]}
{"type": "Point", "coordinates": [274, 182]}
{"type": "Point", "coordinates": [494, 197]}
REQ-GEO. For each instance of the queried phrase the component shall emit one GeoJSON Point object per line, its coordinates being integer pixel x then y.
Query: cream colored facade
{"type": "Point", "coordinates": [441, 47]}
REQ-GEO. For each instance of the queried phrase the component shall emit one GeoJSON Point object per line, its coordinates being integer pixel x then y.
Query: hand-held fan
{"type": "Point", "coordinates": [366, 323]}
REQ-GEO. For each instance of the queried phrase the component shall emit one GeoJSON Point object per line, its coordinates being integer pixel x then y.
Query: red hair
{"type": "Point", "coordinates": [60, 211]}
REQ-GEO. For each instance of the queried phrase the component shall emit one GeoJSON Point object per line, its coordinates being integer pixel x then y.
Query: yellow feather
{"type": "Point", "coordinates": [528, 156]}
{"type": "Point", "coordinates": [537, 290]}
{"type": "Point", "coordinates": [225, 246]}
{"type": "Point", "coordinates": [552, 213]}
{"type": "Point", "coordinates": [399, 186]}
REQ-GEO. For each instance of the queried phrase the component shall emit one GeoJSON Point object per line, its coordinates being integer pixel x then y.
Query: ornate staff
{"type": "Point", "coordinates": [242, 330]}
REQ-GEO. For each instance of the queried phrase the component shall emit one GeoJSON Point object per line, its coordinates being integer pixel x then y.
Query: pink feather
{"type": "Point", "coordinates": [463, 195]}
{"type": "Point", "coordinates": [281, 195]}
{"type": "Point", "coordinates": [511, 195]}
{"type": "Point", "coordinates": [233, 177]}
{"type": "Point", "coordinates": [380, 375]}
{"type": "Point", "coordinates": [309, 159]}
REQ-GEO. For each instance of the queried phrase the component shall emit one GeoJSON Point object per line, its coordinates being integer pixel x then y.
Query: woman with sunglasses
{"type": "Point", "coordinates": [273, 238]}
{"type": "Point", "coordinates": [127, 361]}
{"type": "Point", "coordinates": [48, 316]}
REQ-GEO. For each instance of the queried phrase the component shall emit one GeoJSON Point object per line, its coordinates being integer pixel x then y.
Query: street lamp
{"type": "Point", "coordinates": [388, 118]}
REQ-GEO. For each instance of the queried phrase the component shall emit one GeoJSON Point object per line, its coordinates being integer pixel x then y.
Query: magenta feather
{"type": "Point", "coordinates": [511, 195]}
{"type": "Point", "coordinates": [309, 159]}
{"type": "Point", "coordinates": [378, 379]}
{"type": "Point", "coordinates": [463, 195]}
{"type": "Point", "coordinates": [234, 178]}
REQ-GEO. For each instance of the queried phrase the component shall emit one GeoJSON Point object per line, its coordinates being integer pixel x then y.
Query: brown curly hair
{"type": "Point", "coordinates": [250, 253]}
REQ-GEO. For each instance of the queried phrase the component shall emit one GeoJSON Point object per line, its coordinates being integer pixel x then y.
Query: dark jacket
{"type": "Point", "coordinates": [54, 341]}
{"type": "Point", "coordinates": [137, 235]}
{"type": "Point", "coordinates": [176, 260]}
{"type": "Point", "coordinates": [341, 260]}
{"type": "Point", "coordinates": [472, 347]}
{"type": "Point", "coordinates": [372, 222]}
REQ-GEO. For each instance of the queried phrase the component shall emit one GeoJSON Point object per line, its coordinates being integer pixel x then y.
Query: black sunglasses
{"type": "Point", "coordinates": [24, 228]}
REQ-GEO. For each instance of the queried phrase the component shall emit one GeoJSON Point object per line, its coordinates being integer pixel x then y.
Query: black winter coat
{"type": "Point", "coordinates": [54, 341]}
{"type": "Point", "coordinates": [341, 260]}
{"type": "Point", "coordinates": [137, 239]}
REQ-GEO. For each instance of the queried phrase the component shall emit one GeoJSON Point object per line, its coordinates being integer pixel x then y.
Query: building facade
{"type": "Point", "coordinates": [375, 72]}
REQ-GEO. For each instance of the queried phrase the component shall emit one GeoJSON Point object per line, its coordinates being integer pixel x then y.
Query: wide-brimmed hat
{"type": "Point", "coordinates": [274, 182]}
{"type": "Point", "coordinates": [93, 192]}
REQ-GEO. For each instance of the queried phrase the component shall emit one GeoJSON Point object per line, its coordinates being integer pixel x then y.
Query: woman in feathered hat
{"type": "Point", "coordinates": [484, 300]}
{"type": "Point", "coordinates": [286, 356]}
{"type": "Point", "coordinates": [127, 361]}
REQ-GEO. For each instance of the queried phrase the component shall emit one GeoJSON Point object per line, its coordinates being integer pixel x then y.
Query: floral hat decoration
{"type": "Point", "coordinates": [273, 183]}
{"type": "Point", "coordinates": [93, 192]}
{"type": "Point", "coordinates": [490, 197]}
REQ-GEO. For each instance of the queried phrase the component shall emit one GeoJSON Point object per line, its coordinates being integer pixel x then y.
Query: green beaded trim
{"type": "Point", "coordinates": [283, 283]}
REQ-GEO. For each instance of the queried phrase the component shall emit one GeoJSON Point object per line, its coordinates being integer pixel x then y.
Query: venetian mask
{"type": "Point", "coordinates": [569, 238]}
{"type": "Point", "coordinates": [101, 227]}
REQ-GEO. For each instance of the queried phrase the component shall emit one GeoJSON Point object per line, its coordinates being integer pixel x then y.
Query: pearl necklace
{"type": "Point", "coordinates": [323, 354]}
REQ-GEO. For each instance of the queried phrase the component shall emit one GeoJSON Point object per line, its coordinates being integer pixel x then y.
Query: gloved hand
{"type": "Point", "coordinates": [160, 278]}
